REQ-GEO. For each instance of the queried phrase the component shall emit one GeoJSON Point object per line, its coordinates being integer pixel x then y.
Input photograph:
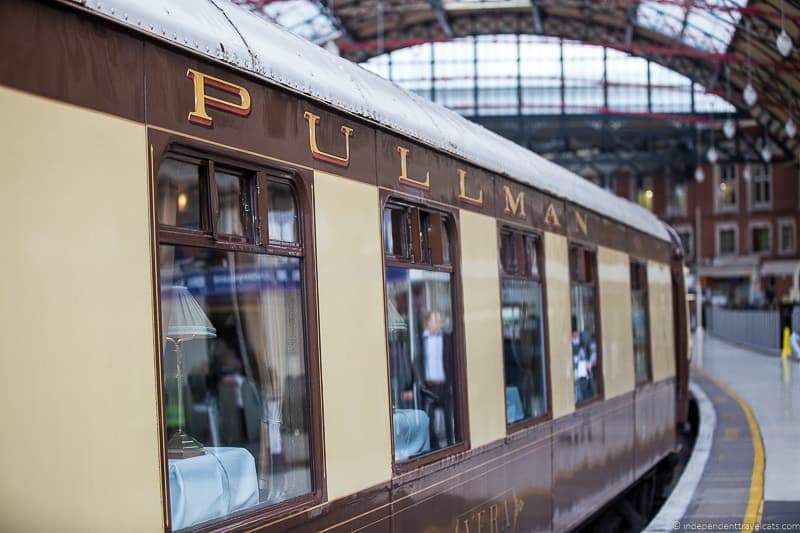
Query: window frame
{"type": "Point", "coordinates": [166, 146]}
{"type": "Point", "coordinates": [718, 171]}
{"type": "Point", "coordinates": [672, 184]}
{"type": "Point", "coordinates": [592, 249]}
{"type": "Point", "coordinates": [689, 254]}
{"type": "Point", "coordinates": [541, 277]}
{"type": "Point", "coordinates": [760, 206]}
{"type": "Point", "coordinates": [460, 398]}
{"type": "Point", "coordinates": [719, 227]}
{"type": "Point", "coordinates": [783, 222]}
{"type": "Point", "coordinates": [648, 330]}
{"type": "Point", "coordinates": [758, 224]}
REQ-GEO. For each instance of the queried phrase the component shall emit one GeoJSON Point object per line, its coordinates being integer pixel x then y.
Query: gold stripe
{"type": "Point", "coordinates": [755, 503]}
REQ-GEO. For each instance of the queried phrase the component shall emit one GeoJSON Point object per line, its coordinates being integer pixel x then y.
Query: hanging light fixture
{"type": "Point", "coordinates": [729, 127]}
{"type": "Point", "coordinates": [766, 153]}
{"type": "Point", "coordinates": [750, 95]}
{"type": "Point", "coordinates": [783, 42]}
{"type": "Point", "coordinates": [790, 128]}
{"type": "Point", "coordinates": [747, 173]}
{"type": "Point", "coordinates": [699, 175]}
{"type": "Point", "coordinates": [712, 155]}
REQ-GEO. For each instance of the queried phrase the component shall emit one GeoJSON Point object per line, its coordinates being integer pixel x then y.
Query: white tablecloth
{"type": "Point", "coordinates": [211, 486]}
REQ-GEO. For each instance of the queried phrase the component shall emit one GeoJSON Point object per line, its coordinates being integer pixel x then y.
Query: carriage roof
{"type": "Point", "coordinates": [224, 32]}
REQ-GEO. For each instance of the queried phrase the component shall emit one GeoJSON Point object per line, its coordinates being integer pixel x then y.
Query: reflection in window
{"type": "Point", "coordinates": [182, 194]}
{"type": "Point", "coordinates": [422, 359]}
{"type": "Point", "coordinates": [235, 213]}
{"type": "Point", "coordinates": [644, 193]}
{"type": "Point", "coordinates": [423, 365]}
{"type": "Point", "coordinates": [641, 328]}
{"type": "Point", "coordinates": [523, 327]}
{"type": "Point", "coordinates": [282, 215]}
{"type": "Point", "coordinates": [585, 358]}
{"type": "Point", "coordinates": [244, 393]}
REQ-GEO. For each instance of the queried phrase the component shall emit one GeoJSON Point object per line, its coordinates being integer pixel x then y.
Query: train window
{"type": "Point", "coordinates": [235, 363]}
{"type": "Point", "coordinates": [183, 194]}
{"type": "Point", "coordinates": [586, 361]}
{"type": "Point", "coordinates": [234, 212]}
{"type": "Point", "coordinates": [423, 331]}
{"type": "Point", "coordinates": [524, 356]}
{"type": "Point", "coordinates": [282, 214]}
{"type": "Point", "coordinates": [641, 323]}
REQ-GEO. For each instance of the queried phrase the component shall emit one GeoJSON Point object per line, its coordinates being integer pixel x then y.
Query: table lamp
{"type": "Point", "coordinates": [187, 321]}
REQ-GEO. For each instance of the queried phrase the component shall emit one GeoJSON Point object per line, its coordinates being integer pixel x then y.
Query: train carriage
{"type": "Point", "coordinates": [249, 285]}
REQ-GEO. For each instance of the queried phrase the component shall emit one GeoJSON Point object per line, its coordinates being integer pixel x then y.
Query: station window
{"type": "Point", "coordinates": [726, 187]}
{"type": "Point", "coordinates": [524, 356]}
{"type": "Point", "coordinates": [760, 237]}
{"type": "Point", "coordinates": [586, 361]}
{"type": "Point", "coordinates": [641, 322]}
{"type": "Point", "coordinates": [423, 330]}
{"type": "Point", "coordinates": [787, 236]}
{"type": "Point", "coordinates": [760, 186]}
{"type": "Point", "coordinates": [235, 361]}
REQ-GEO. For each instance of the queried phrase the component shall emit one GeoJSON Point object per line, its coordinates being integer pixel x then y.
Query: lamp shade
{"type": "Point", "coordinates": [186, 317]}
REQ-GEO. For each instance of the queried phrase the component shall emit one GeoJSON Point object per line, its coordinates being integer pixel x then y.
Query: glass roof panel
{"type": "Point", "coordinates": [706, 26]}
{"type": "Point", "coordinates": [302, 17]}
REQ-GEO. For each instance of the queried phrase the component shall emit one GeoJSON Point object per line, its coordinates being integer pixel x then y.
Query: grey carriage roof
{"type": "Point", "coordinates": [224, 32]}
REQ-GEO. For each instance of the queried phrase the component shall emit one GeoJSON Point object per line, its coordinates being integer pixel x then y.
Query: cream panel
{"type": "Point", "coordinates": [77, 373]}
{"type": "Point", "coordinates": [558, 324]}
{"type": "Point", "coordinates": [482, 321]}
{"type": "Point", "coordinates": [355, 385]}
{"type": "Point", "coordinates": [615, 321]}
{"type": "Point", "coordinates": [661, 327]}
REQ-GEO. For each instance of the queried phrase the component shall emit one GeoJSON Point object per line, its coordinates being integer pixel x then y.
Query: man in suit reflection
{"type": "Point", "coordinates": [437, 375]}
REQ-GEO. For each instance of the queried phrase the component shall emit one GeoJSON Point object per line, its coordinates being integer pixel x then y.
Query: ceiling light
{"type": "Point", "coordinates": [790, 128]}
{"type": "Point", "coordinates": [784, 43]}
{"type": "Point", "coordinates": [712, 155]}
{"type": "Point", "coordinates": [729, 128]}
{"type": "Point", "coordinates": [766, 154]}
{"type": "Point", "coordinates": [699, 175]}
{"type": "Point", "coordinates": [750, 95]}
{"type": "Point", "coordinates": [747, 173]}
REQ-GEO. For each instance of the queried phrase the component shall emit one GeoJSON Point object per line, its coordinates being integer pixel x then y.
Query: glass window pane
{"type": "Point", "coordinates": [531, 256]}
{"type": "Point", "coordinates": [422, 361]}
{"type": "Point", "coordinates": [395, 232]}
{"type": "Point", "coordinates": [445, 243]}
{"type": "Point", "coordinates": [182, 198]}
{"type": "Point", "coordinates": [508, 252]}
{"type": "Point", "coordinates": [234, 322]}
{"type": "Point", "coordinates": [523, 350]}
{"type": "Point", "coordinates": [235, 210]}
{"type": "Point", "coordinates": [282, 216]}
{"type": "Point", "coordinates": [639, 322]}
{"type": "Point", "coordinates": [586, 371]}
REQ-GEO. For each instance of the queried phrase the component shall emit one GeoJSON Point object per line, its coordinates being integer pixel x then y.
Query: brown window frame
{"type": "Point", "coordinates": [165, 146]}
{"type": "Point", "coordinates": [519, 235]}
{"type": "Point", "coordinates": [450, 217]}
{"type": "Point", "coordinates": [591, 249]}
{"type": "Point", "coordinates": [645, 288]}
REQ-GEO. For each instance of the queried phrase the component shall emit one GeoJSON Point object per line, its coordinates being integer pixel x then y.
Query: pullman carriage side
{"type": "Point", "coordinates": [365, 329]}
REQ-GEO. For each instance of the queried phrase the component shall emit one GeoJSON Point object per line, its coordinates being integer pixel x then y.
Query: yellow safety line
{"type": "Point", "coordinates": [755, 504]}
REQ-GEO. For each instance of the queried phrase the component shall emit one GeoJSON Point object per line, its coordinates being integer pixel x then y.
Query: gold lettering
{"type": "Point", "coordinates": [494, 517]}
{"type": "Point", "coordinates": [201, 99]}
{"type": "Point", "coordinates": [480, 519]}
{"type": "Point", "coordinates": [514, 203]}
{"type": "Point", "coordinates": [581, 221]}
{"type": "Point", "coordinates": [507, 514]}
{"type": "Point", "coordinates": [424, 185]}
{"type": "Point", "coordinates": [551, 217]}
{"type": "Point", "coordinates": [313, 120]}
{"type": "Point", "coordinates": [462, 191]}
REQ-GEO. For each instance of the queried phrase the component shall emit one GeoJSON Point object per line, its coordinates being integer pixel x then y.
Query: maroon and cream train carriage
{"type": "Point", "coordinates": [373, 314]}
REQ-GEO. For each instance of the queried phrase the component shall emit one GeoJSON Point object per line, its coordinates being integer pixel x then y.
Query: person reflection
{"type": "Point", "coordinates": [437, 356]}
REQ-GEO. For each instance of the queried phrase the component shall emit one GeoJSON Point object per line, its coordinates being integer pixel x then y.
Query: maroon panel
{"type": "Point", "coordinates": [522, 204]}
{"type": "Point", "coordinates": [655, 423]}
{"type": "Point", "coordinates": [276, 125]}
{"type": "Point", "coordinates": [504, 486]}
{"type": "Point", "coordinates": [432, 175]}
{"type": "Point", "coordinates": [592, 459]}
{"type": "Point", "coordinates": [57, 52]}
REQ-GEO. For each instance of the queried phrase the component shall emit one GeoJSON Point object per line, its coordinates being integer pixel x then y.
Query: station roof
{"type": "Point", "coordinates": [705, 40]}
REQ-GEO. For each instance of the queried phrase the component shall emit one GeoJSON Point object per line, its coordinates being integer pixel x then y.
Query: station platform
{"type": "Point", "coordinates": [744, 472]}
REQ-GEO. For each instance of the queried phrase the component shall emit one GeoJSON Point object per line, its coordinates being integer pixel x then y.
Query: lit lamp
{"type": "Point", "coordinates": [187, 321]}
